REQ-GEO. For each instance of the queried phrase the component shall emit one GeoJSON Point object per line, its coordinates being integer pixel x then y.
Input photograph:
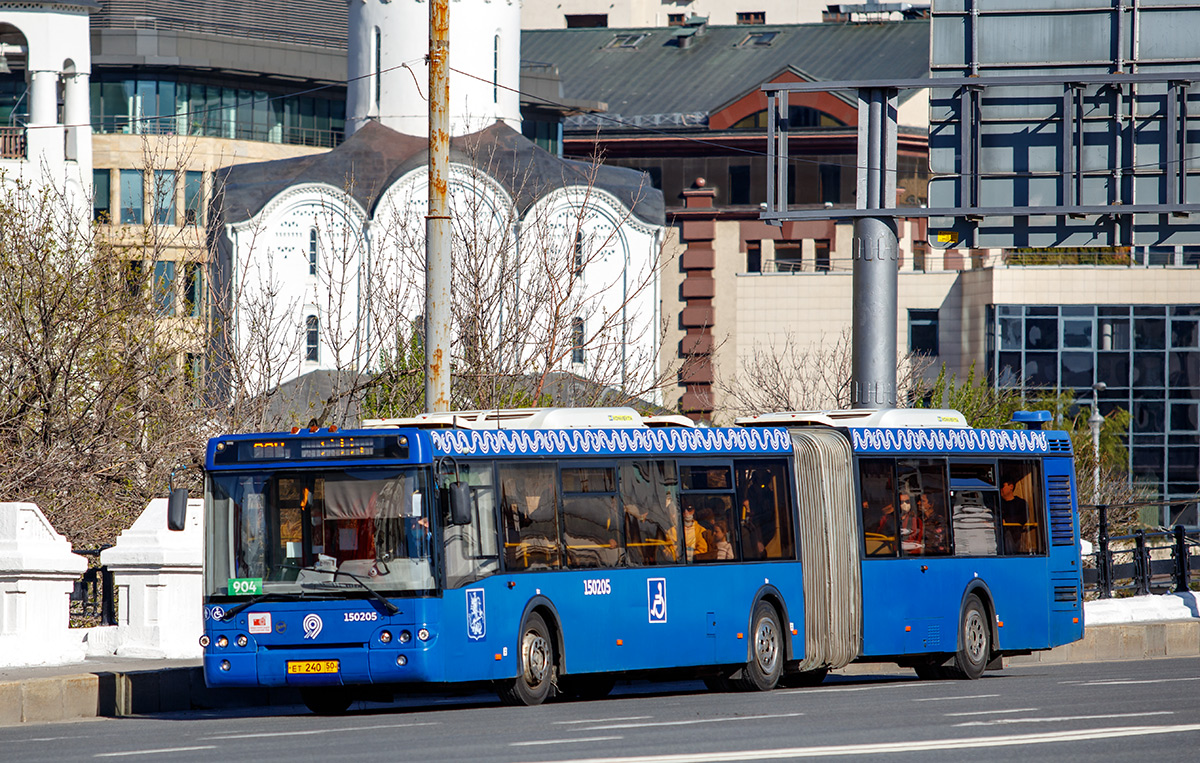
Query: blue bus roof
{"type": "Point", "coordinates": [344, 447]}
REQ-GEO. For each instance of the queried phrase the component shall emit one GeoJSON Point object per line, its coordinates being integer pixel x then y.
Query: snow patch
{"type": "Point", "coordinates": [1142, 609]}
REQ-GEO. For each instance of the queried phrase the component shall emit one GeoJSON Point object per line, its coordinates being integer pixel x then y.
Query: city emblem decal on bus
{"type": "Point", "coordinates": [312, 626]}
{"type": "Point", "coordinates": [656, 599]}
{"type": "Point", "coordinates": [476, 615]}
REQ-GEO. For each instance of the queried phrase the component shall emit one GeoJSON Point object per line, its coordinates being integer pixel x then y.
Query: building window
{"type": "Point", "coordinates": [132, 197]}
{"type": "Point", "coordinates": [193, 289]}
{"type": "Point", "coordinates": [193, 198]}
{"type": "Point", "coordinates": [831, 183]}
{"type": "Point", "coordinates": [496, 69]}
{"type": "Point", "coordinates": [676, 19]}
{"type": "Point", "coordinates": [753, 257]}
{"type": "Point", "coordinates": [821, 262]}
{"type": "Point", "coordinates": [312, 338]}
{"type": "Point", "coordinates": [789, 257]}
{"type": "Point", "coordinates": [164, 287]}
{"type": "Point", "coordinates": [586, 20]}
{"type": "Point", "coordinates": [312, 251]}
{"type": "Point", "coordinates": [578, 270]}
{"type": "Point", "coordinates": [102, 199]}
{"type": "Point", "coordinates": [923, 332]}
{"type": "Point", "coordinates": [626, 40]}
{"type": "Point", "coordinates": [164, 197]}
{"type": "Point", "coordinates": [135, 278]}
{"type": "Point", "coordinates": [378, 68]}
{"type": "Point", "coordinates": [757, 39]}
{"type": "Point", "coordinates": [752, 17]}
{"type": "Point", "coordinates": [577, 340]}
{"type": "Point", "coordinates": [739, 184]}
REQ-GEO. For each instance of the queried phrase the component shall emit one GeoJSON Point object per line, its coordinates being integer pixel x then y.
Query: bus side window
{"type": "Point", "coordinates": [765, 512]}
{"type": "Point", "coordinates": [1021, 508]}
{"type": "Point", "coordinates": [925, 525]}
{"type": "Point", "coordinates": [529, 512]}
{"type": "Point", "coordinates": [650, 499]}
{"type": "Point", "coordinates": [973, 497]}
{"type": "Point", "coordinates": [591, 530]}
{"type": "Point", "coordinates": [878, 495]}
{"type": "Point", "coordinates": [471, 549]}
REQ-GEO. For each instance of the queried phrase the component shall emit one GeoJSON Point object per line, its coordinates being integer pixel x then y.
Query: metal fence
{"type": "Point", "coordinates": [1145, 562]}
{"type": "Point", "coordinates": [93, 600]}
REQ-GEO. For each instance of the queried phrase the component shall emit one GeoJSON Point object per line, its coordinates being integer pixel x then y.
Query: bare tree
{"type": "Point", "coordinates": [785, 376]}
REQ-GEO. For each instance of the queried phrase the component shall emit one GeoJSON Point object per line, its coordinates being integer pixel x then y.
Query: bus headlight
{"type": "Point", "coordinates": [225, 665]}
{"type": "Point", "coordinates": [204, 641]}
{"type": "Point", "coordinates": [405, 637]}
{"type": "Point", "coordinates": [423, 634]}
{"type": "Point", "coordinates": [241, 640]}
{"type": "Point", "coordinates": [386, 637]}
{"type": "Point", "coordinates": [222, 642]}
{"type": "Point", "coordinates": [401, 660]}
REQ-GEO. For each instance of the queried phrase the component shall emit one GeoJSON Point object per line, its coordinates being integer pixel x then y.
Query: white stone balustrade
{"type": "Point", "coordinates": [37, 573]}
{"type": "Point", "coordinates": [157, 574]}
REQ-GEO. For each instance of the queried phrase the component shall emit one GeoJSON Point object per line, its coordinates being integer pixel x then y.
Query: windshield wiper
{"type": "Point", "coordinates": [235, 611]}
{"type": "Point", "coordinates": [388, 607]}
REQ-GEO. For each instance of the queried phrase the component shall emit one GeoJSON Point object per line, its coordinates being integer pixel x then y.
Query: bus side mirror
{"type": "Point", "coordinates": [460, 503]}
{"type": "Point", "coordinates": [177, 508]}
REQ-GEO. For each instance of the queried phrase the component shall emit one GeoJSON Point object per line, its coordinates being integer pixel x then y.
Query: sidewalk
{"type": "Point", "coordinates": [114, 687]}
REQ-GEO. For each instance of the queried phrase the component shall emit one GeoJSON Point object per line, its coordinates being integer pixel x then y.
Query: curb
{"type": "Point", "coordinates": [113, 694]}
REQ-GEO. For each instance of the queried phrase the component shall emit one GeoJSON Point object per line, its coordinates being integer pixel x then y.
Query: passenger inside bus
{"type": "Point", "coordinates": [912, 528]}
{"type": "Point", "coordinates": [936, 537]}
{"type": "Point", "coordinates": [695, 542]}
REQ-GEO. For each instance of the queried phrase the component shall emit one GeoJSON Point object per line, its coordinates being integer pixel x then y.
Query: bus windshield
{"type": "Point", "coordinates": [319, 532]}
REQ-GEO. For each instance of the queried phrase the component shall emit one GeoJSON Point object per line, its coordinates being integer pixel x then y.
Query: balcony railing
{"type": "Point", "coordinates": [12, 143]}
{"type": "Point", "coordinates": [215, 127]}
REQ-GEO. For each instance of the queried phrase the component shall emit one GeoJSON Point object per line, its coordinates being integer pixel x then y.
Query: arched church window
{"type": "Point", "coordinates": [312, 251]}
{"type": "Point", "coordinates": [378, 68]}
{"type": "Point", "coordinates": [496, 70]}
{"type": "Point", "coordinates": [577, 340]}
{"type": "Point", "coordinates": [312, 338]}
{"type": "Point", "coordinates": [578, 270]}
{"type": "Point", "coordinates": [799, 117]}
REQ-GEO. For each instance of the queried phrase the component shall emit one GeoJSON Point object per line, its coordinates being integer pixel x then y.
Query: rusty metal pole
{"type": "Point", "coordinates": [437, 221]}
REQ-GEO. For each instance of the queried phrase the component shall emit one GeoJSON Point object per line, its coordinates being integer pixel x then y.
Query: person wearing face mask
{"type": "Point", "coordinates": [695, 541]}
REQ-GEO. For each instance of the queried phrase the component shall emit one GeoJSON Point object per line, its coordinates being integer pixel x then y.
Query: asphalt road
{"type": "Point", "coordinates": [1081, 712]}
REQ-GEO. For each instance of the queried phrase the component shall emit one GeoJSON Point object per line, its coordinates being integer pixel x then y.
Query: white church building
{"type": "Point", "coordinates": [320, 258]}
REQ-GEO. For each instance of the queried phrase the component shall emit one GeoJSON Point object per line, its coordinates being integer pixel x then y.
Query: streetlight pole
{"type": "Point", "coordinates": [1095, 421]}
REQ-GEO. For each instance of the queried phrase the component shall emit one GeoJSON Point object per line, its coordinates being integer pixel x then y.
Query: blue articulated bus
{"type": "Point", "coordinates": [551, 551]}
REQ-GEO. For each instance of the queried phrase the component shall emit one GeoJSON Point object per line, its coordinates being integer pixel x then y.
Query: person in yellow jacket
{"type": "Point", "coordinates": [695, 541]}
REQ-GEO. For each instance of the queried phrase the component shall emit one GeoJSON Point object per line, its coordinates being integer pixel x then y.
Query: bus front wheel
{"type": "Point", "coordinates": [535, 676]}
{"type": "Point", "coordinates": [974, 640]}
{"type": "Point", "coordinates": [765, 666]}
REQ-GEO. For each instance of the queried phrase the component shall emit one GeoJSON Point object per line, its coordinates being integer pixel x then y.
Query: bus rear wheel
{"type": "Point", "coordinates": [535, 677]}
{"type": "Point", "coordinates": [326, 700]}
{"type": "Point", "coordinates": [974, 641]}
{"type": "Point", "coordinates": [765, 666]}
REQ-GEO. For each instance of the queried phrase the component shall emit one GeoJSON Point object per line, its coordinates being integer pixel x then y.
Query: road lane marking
{"type": "Point", "coordinates": [563, 741]}
{"type": "Point", "coordinates": [946, 699]}
{"type": "Point", "coordinates": [605, 720]}
{"type": "Point", "coordinates": [313, 732]}
{"type": "Point", "coordinates": [1132, 681]}
{"type": "Point", "coordinates": [1063, 718]}
{"type": "Point", "coordinates": [695, 722]}
{"type": "Point", "coordinates": [889, 748]}
{"type": "Point", "coordinates": [159, 751]}
{"type": "Point", "coordinates": [869, 687]}
{"type": "Point", "coordinates": [993, 712]}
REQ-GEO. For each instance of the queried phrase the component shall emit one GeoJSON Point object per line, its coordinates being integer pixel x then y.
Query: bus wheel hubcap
{"type": "Point", "coordinates": [766, 646]}
{"type": "Point", "coordinates": [975, 636]}
{"type": "Point", "coordinates": [536, 658]}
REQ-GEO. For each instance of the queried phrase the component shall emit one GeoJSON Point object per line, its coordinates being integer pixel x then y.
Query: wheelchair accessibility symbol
{"type": "Point", "coordinates": [656, 599]}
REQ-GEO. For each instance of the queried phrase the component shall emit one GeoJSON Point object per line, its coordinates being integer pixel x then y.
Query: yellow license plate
{"type": "Point", "coordinates": [309, 667]}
